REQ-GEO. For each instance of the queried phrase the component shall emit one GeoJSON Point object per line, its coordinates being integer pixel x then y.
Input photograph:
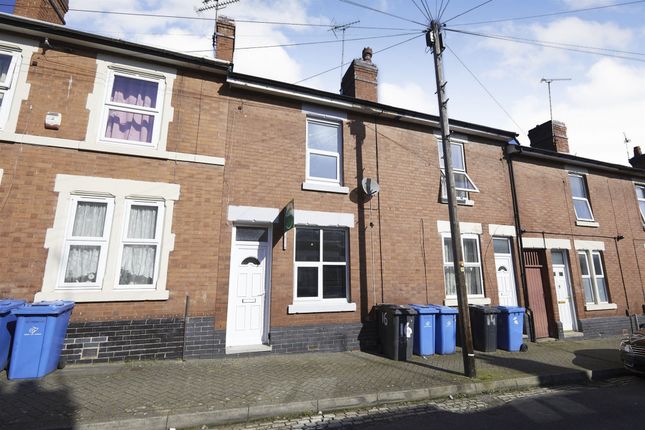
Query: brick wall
{"type": "Point", "coordinates": [44, 10]}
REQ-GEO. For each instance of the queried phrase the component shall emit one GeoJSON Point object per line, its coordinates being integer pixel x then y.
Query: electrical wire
{"type": "Point", "coordinates": [424, 13]}
{"type": "Point", "coordinates": [467, 11]}
{"type": "Point", "coordinates": [486, 89]}
{"type": "Point", "coordinates": [544, 15]}
{"type": "Point", "coordinates": [349, 62]}
{"type": "Point", "coordinates": [547, 42]}
{"type": "Point", "coordinates": [383, 12]}
{"type": "Point", "coordinates": [442, 11]}
{"type": "Point", "coordinates": [285, 45]}
{"type": "Point", "coordinates": [553, 45]}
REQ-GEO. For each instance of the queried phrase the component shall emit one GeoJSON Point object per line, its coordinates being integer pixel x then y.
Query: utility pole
{"type": "Point", "coordinates": [434, 40]}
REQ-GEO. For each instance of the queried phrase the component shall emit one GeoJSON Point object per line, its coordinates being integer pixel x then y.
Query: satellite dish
{"type": "Point", "coordinates": [370, 186]}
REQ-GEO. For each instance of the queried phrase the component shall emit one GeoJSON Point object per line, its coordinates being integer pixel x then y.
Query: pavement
{"type": "Point", "coordinates": [175, 394]}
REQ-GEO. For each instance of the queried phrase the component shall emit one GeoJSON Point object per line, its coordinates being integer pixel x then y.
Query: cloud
{"type": "Point", "coordinates": [581, 4]}
{"type": "Point", "coordinates": [407, 95]}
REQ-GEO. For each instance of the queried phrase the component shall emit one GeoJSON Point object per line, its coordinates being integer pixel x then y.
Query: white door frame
{"type": "Point", "coordinates": [512, 266]}
{"type": "Point", "coordinates": [567, 280]}
{"type": "Point", "coordinates": [232, 282]}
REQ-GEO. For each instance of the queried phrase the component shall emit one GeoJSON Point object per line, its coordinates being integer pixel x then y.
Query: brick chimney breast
{"type": "Point", "coordinates": [44, 10]}
{"type": "Point", "coordinates": [551, 136]}
{"type": "Point", "coordinates": [360, 80]}
{"type": "Point", "coordinates": [225, 39]}
{"type": "Point", "coordinates": [638, 160]}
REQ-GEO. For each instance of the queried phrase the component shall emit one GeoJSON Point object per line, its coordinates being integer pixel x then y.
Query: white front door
{"type": "Point", "coordinates": [563, 291]}
{"type": "Point", "coordinates": [505, 273]}
{"type": "Point", "coordinates": [247, 301]}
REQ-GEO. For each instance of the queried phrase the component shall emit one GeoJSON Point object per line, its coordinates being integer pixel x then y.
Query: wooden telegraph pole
{"type": "Point", "coordinates": [434, 40]}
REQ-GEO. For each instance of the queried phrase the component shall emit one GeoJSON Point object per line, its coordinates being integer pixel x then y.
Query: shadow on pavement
{"type": "Point", "coordinates": [27, 404]}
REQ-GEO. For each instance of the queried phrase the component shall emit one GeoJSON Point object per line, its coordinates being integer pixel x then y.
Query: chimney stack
{"type": "Point", "coordinates": [44, 10]}
{"type": "Point", "coordinates": [360, 79]}
{"type": "Point", "coordinates": [224, 39]}
{"type": "Point", "coordinates": [638, 160]}
{"type": "Point", "coordinates": [552, 136]}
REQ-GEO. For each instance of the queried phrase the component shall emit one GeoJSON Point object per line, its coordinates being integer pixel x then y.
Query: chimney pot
{"type": "Point", "coordinates": [367, 54]}
{"type": "Point", "coordinates": [637, 151]}
{"type": "Point", "coordinates": [638, 160]}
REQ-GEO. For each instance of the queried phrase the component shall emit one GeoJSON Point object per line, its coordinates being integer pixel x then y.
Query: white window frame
{"type": "Point", "coordinates": [157, 241]}
{"type": "Point", "coordinates": [582, 199]}
{"type": "Point", "coordinates": [447, 264]}
{"type": "Point", "coordinates": [640, 200]}
{"type": "Point", "coordinates": [122, 191]}
{"type": "Point", "coordinates": [338, 155]}
{"type": "Point", "coordinates": [156, 112]}
{"type": "Point", "coordinates": [463, 196]}
{"type": "Point", "coordinates": [593, 276]}
{"type": "Point", "coordinates": [8, 87]}
{"type": "Point", "coordinates": [71, 240]}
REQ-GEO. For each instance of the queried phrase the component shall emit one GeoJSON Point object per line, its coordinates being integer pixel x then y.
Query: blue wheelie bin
{"type": "Point", "coordinates": [7, 328]}
{"type": "Point", "coordinates": [510, 325]}
{"type": "Point", "coordinates": [38, 340]}
{"type": "Point", "coordinates": [424, 329]}
{"type": "Point", "coordinates": [445, 330]}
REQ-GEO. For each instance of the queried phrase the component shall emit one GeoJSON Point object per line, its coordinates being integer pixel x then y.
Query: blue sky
{"type": "Point", "coordinates": [604, 98]}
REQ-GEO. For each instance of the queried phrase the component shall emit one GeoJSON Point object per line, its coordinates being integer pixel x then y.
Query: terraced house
{"type": "Point", "coordinates": [152, 188]}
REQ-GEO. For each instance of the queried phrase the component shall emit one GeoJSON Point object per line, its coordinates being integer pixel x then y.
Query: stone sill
{"type": "Point", "coordinates": [587, 224]}
{"type": "Point", "coordinates": [319, 307]}
{"type": "Point", "coordinates": [471, 301]}
{"type": "Point", "coordinates": [326, 188]}
{"type": "Point", "coordinates": [601, 307]}
{"type": "Point", "coordinates": [102, 296]}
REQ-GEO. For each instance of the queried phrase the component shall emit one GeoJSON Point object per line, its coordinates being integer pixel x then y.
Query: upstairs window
{"type": "Point", "coordinates": [640, 196]}
{"type": "Point", "coordinates": [580, 197]}
{"type": "Point", "coordinates": [463, 182]}
{"type": "Point", "coordinates": [320, 264]}
{"type": "Point", "coordinates": [472, 266]}
{"type": "Point", "coordinates": [324, 151]}
{"type": "Point", "coordinates": [132, 110]}
{"type": "Point", "coordinates": [9, 64]}
{"type": "Point", "coordinates": [593, 277]}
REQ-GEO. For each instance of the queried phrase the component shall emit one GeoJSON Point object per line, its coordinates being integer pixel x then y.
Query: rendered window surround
{"type": "Point", "coordinates": [322, 183]}
{"type": "Point", "coordinates": [323, 220]}
{"type": "Point", "coordinates": [109, 66]}
{"type": "Point", "coordinates": [459, 168]}
{"type": "Point", "coordinates": [581, 199]}
{"type": "Point", "coordinates": [122, 191]}
{"type": "Point", "coordinates": [1, 174]}
{"type": "Point", "coordinates": [8, 85]}
{"type": "Point", "coordinates": [448, 264]}
{"type": "Point", "coordinates": [591, 262]}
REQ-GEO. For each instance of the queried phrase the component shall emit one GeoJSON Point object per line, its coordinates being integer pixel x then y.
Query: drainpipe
{"type": "Point", "coordinates": [510, 150]}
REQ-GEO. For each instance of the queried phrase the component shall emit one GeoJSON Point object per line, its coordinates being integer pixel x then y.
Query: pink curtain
{"type": "Point", "coordinates": [124, 125]}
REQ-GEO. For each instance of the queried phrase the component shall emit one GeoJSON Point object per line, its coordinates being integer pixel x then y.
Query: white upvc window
{"type": "Point", "coordinates": [320, 265]}
{"type": "Point", "coordinates": [580, 195]}
{"type": "Point", "coordinates": [463, 183]}
{"type": "Point", "coordinates": [86, 242]}
{"type": "Point", "coordinates": [141, 242]}
{"type": "Point", "coordinates": [594, 283]}
{"type": "Point", "coordinates": [9, 65]}
{"type": "Point", "coordinates": [472, 266]}
{"type": "Point", "coordinates": [640, 196]}
{"type": "Point", "coordinates": [132, 108]}
{"type": "Point", "coordinates": [324, 151]}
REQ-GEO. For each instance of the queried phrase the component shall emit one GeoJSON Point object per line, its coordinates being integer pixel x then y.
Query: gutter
{"type": "Point", "coordinates": [323, 98]}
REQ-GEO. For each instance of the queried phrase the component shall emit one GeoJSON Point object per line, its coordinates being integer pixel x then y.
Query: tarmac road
{"type": "Point", "coordinates": [618, 403]}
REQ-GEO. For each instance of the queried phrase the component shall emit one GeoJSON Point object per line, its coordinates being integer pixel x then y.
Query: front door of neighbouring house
{"type": "Point", "coordinates": [505, 274]}
{"type": "Point", "coordinates": [247, 301]}
{"type": "Point", "coordinates": [534, 265]}
{"type": "Point", "coordinates": [563, 291]}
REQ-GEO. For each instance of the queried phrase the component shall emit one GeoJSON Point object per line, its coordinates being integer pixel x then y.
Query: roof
{"type": "Point", "coordinates": [56, 32]}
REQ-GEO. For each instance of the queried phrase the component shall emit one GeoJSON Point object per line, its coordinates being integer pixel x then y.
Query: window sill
{"type": "Point", "coordinates": [460, 202]}
{"type": "Point", "coordinates": [471, 301]}
{"type": "Point", "coordinates": [318, 307]}
{"type": "Point", "coordinates": [101, 296]}
{"type": "Point", "coordinates": [587, 224]}
{"type": "Point", "coordinates": [601, 307]}
{"type": "Point", "coordinates": [327, 188]}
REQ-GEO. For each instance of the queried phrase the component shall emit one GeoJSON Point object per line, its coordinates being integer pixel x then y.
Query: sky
{"type": "Point", "coordinates": [490, 80]}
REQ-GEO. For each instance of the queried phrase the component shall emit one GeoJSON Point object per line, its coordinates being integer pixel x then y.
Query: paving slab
{"type": "Point", "coordinates": [161, 394]}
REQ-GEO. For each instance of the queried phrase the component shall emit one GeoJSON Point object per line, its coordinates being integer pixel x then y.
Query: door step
{"type": "Point", "coordinates": [572, 334]}
{"type": "Point", "coordinates": [243, 349]}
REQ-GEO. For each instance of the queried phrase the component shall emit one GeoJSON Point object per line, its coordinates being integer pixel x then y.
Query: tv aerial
{"type": "Point", "coordinates": [548, 82]}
